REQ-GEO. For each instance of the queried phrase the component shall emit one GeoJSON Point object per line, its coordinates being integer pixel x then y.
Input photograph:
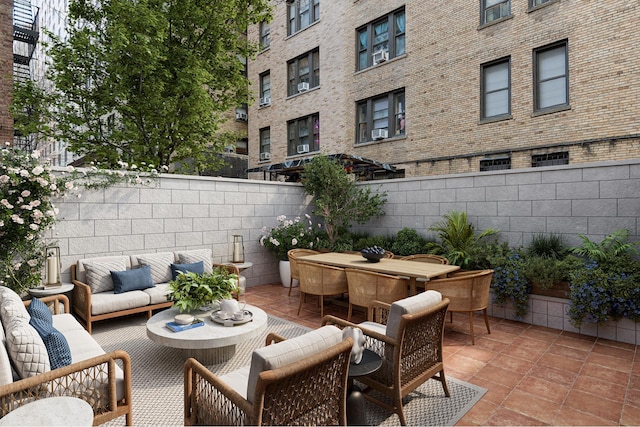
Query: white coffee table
{"type": "Point", "coordinates": [52, 411]}
{"type": "Point", "coordinates": [210, 344]}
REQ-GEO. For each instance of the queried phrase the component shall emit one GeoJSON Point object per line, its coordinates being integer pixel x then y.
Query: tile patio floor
{"type": "Point", "coordinates": [534, 375]}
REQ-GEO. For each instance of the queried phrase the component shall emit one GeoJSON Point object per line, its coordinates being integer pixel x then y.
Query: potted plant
{"type": "Point", "coordinates": [190, 291]}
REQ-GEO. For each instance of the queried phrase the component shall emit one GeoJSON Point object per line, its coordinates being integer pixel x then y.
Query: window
{"type": "Point", "coordinates": [534, 3]}
{"type": "Point", "coordinates": [304, 69]}
{"type": "Point", "coordinates": [302, 13]}
{"type": "Point", "coordinates": [492, 10]}
{"type": "Point", "coordinates": [381, 117]}
{"type": "Point", "coordinates": [242, 146]}
{"type": "Point", "coordinates": [303, 135]}
{"type": "Point", "coordinates": [381, 40]}
{"type": "Point", "coordinates": [265, 89]}
{"type": "Point", "coordinates": [265, 35]}
{"type": "Point", "coordinates": [265, 144]}
{"type": "Point", "coordinates": [496, 89]}
{"type": "Point", "coordinates": [550, 159]}
{"type": "Point", "coordinates": [551, 77]}
{"type": "Point", "coordinates": [495, 164]}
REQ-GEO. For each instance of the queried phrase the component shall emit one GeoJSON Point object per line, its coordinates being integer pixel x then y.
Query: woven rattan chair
{"type": "Point", "coordinates": [233, 269]}
{"type": "Point", "coordinates": [293, 255]}
{"type": "Point", "coordinates": [309, 391]}
{"type": "Point", "coordinates": [408, 337]}
{"type": "Point", "coordinates": [468, 292]}
{"type": "Point", "coordinates": [431, 258]}
{"type": "Point", "coordinates": [388, 254]}
{"type": "Point", "coordinates": [365, 287]}
{"type": "Point", "coordinates": [322, 280]}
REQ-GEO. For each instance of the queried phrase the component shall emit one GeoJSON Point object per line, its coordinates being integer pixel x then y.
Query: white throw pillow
{"type": "Point", "coordinates": [99, 274]}
{"type": "Point", "coordinates": [160, 264]}
{"type": "Point", "coordinates": [197, 255]}
{"type": "Point", "coordinates": [12, 308]}
{"type": "Point", "coordinates": [27, 350]}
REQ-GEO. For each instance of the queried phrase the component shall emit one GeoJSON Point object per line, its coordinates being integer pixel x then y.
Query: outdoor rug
{"type": "Point", "coordinates": [157, 378]}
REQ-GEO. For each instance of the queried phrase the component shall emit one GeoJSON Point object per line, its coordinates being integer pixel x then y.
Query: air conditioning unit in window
{"type": "Point", "coordinates": [303, 87]}
{"type": "Point", "coordinates": [379, 134]}
{"type": "Point", "coordinates": [265, 156]}
{"type": "Point", "coordinates": [229, 149]}
{"type": "Point", "coordinates": [380, 56]}
{"type": "Point", "coordinates": [241, 116]}
{"type": "Point", "coordinates": [265, 101]}
{"type": "Point", "coordinates": [303, 148]}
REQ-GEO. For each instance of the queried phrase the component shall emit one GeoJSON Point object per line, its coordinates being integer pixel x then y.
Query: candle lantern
{"type": "Point", "coordinates": [236, 249]}
{"type": "Point", "coordinates": [51, 276]}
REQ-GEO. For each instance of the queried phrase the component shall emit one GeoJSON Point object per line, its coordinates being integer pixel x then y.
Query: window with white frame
{"type": "Point", "coordinates": [381, 117]}
{"type": "Point", "coordinates": [265, 89]}
{"type": "Point", "coordinates": [303, 72]}
{"type": "Point", "coordinates": [265, 35]}
{"type": "Point", "coordinates": [496, 89]}
{"type": "Point", "coordinates": [381, 40]}
{"type": "Point", "coordinates": [492, 10]}
{"type": "Point", "coordinates": [551, 77]}
{"type": "Point", "coordinates": [265, 143]}
{"type": "Point", "coordinates": [301, 14]}
{"type": "Point", "coordinates": [303, 135]}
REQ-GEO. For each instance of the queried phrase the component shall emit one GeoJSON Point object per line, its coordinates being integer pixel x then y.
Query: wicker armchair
{"type": "Point", "coordinates": [365, 287]}
{"type": "Point", "coordinates": [309, 391]}
{"type": "Point", "coordinates": [468, 292]}
{"type": "Point", "coordinates": [92, 380]}
{"type": "Point", "coordinates": [410, 346]}
{"type": "Point", "coordinates": [321, 280]}
{"type": "Point", "coordinates": [293, 255]}
{"type": "Point", "coordinates": [431, 258]}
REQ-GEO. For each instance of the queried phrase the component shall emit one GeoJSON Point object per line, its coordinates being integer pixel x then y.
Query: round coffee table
{"type": "Point", "coordinates": [52, 411]}
{"type": "Point", "coordinates": [210, 344]}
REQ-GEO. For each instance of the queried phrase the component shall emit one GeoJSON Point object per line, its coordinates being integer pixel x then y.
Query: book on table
{"type": "Point", "coordinates": [176, 327]}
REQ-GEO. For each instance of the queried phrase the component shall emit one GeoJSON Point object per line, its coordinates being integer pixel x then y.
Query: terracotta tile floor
{"type": "Point", "coordinates": [534, 375]}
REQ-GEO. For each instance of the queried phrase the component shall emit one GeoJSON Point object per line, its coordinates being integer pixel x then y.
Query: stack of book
{"type": "Point", "coordinates": [176, 327]}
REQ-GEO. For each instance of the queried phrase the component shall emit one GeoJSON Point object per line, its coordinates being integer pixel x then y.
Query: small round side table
{"type": "Point", "coordinates": [52, 411]}
{"type": "Point", "coordinates": [45, 292]}
{"type": "Point", "coordinates": [370, 363]}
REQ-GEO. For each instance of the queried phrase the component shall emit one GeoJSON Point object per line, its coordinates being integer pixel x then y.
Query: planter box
{"type": "Point", "coordinates": [558, 290]}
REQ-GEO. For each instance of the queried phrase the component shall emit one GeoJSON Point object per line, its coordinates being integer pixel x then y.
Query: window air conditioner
{"type": "Point", "coordinates": [265, 156]}
{"type": "Point", "coordinates": [241, 116]}
{"type": "Point", "coordinates": [229, 149]}
{"type": "Point", "coordinates": [380, 56]}
{"type": "Point", "coordinates": [303, 87]}
{"type": "Point", "coordinates": [304, 148]}
{"type": "Point", "coordinates": [265, 101]}
{"type": "Point", "coordinates": [379, 134]}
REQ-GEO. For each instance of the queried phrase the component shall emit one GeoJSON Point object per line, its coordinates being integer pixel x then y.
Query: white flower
{"type": "Point", "coordinates": [4, 179]}
{"type": "Point", "coordinates": [15, 218]}
{"type": "Point", "coordinates": [36, 171]}
{"type": "Point", "coordinates": [261, 239]}
{"type": "Point", "coordinates": [17, 266]}
{"type": "Point", "coordinates": [24, 173]}
{"type": "Point", "coordinates": [34, 227]}
{"type": "Point", "coordinates": [1, 223]}
{"type": "Point", "coordinates": [32, 262]}
{"type": "Point", "coordinates": [274, 242]}
{"type": "Point", "coordinates": [53, 187]}
{"type": "Point", "coordinates": [281, 218]}
{"type": "Point", "coordinates": [70, 168]}
{"type": "Point", "coordinates": [294, 241]}
{"type": "Point", "coordinates": [25, 193]}
{"type": "Point", "coordinates": [68, 185]}
{"type": "Point", "coordinates": [35, 203]}
{"type": "Point", "coordinates": [6, 204]}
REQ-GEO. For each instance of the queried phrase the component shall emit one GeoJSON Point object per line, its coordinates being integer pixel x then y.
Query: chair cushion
{"type": "Point", "coordinates": [238, 380]}
{"type": "Point", "coordinates": [158, 294]}
{"type": "Point", "coordinates": [160, 264]}
{"type": "Point", "coordinates": [108, 302]}
{"type": "Point", "coordinates": [6, 376]}
{"type": "Point", "coordinates": [289, 351]}
{"type": "Point", "coordinates": [99, 274]}
{"type": "Point", "coordinates": [410, 305]}
{"type": "Point", "coordinates": [39, 310]}
{"type": "Point", "coordinates": [132, 280]}
{"type": "Point", "coordinates": [195, 255]}
{"type": "Point", "coordinates": [194, 267]}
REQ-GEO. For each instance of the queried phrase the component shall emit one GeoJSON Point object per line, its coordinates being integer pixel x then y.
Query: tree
{"type": "Point", "coordinates": [337, 198]}
{"type": "Point", "coordinates": [148, 80]}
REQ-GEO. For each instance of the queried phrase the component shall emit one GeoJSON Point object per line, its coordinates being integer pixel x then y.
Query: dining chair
{"type": "Point", "coordinates": [242, 281]}
{"type": "Point", "coordinates": [365, 287]}
{"type": "Point", "coordinates": [468, 292]}
{"type": "Point", "coordinates": [407, 335]}
{"type": "Point", "coordinates": [293, 255]}
{"type": "Point", "coordinates": [321, 280]}
{"type": "Point", "coordinates": [430, 258]}
{"type": "Point", "coordinates": [388, 254]}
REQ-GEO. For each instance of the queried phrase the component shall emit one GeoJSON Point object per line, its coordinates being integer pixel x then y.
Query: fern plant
{"type": "Point", "coordinates": [609, 249]}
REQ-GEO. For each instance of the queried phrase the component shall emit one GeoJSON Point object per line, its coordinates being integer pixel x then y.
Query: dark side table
{"type": "Point", "coordinates": [370, 363]}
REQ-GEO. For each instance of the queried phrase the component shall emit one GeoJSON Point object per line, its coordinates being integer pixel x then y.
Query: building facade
{"type": "Point", "coordinates": [455, 87]}
{"type": "Point", "coordinates": [6, 70]}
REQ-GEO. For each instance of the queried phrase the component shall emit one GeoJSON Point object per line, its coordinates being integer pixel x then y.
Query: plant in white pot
{"type": "Point", "coordinates": [190, 291]}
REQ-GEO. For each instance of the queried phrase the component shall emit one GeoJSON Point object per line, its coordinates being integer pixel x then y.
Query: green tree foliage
{"type": "Point", "coordinates": [148, 81]}
{"type": "Point", "coordinates": [337, 198]}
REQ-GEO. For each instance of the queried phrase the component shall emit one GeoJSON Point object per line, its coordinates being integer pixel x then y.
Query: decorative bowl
{"type": "Point", "coordinates": [372, 257]}
{"type": "Point", "coordinates": [183, 319]}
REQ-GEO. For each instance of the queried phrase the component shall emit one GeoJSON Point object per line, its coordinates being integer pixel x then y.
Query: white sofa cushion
{"type": "Point", "coordinates": [6, 376]}
{"type": "Point", "coordinates": [289, 351]}
{"type": "Point", "coordinates": [158, 294]}
{"type": "Point", "coordinates": [410, 305]}
{"type": "Point", "coordinates": [196, 255]}
{"type": "Point", "coordinates": [238, 380]}
{"type": "Point", "coordinates": [99, 273]}
{"type": "Point", "coordinates": [12, 308]}
{"type": "Point", "coordinates": [27, 350]}
{"type": "Point", "coordinates": [160, 264]}
{"type": "Point", "coordinates": [108, 302]}
{"type": "Point", "coordinates": [81, 272]}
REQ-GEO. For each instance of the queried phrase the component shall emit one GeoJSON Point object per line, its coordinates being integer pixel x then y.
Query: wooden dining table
{"type": "Point", "coordinates": [414, 270]}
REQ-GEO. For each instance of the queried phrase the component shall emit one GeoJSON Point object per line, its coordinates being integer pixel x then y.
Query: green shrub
{"type": "Point", "coordinates": [407, 242]}
{"type": "Point", "coordinates": [542, 271]}
{"type": "Point", "coordinates": [364, 241]}
{"type": "Point", "coordinates": [547, 246]}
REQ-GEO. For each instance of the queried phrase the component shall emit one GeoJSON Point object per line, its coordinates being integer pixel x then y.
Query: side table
{"type": "Point", "coordinates": [41, 291]}
{"type": "Point", "coordinates": [242, 281]}
{"type": "Point", "coordinates": [370, 363]}
{"type": "Point", "coordinates": [52, 411]}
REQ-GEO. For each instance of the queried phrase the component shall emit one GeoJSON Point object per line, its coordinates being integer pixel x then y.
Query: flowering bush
{"type": "Point", "coordinates": [510, 284]}
{"type": "Point", "coordinates": [289, 234]}
{"type": "Point", "coordinates": [27, 191]}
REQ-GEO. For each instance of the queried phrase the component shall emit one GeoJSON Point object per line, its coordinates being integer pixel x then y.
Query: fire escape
{"type": "Point", "coordinates": [25, 39]}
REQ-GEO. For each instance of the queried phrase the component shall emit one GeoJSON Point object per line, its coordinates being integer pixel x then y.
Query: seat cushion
{"type": "Point", "coordinates": [238, 380]}
{"type": "Point", "coordinates": [289, 351]}
{"type": "Point", "coordinates": [99, 274]}
{"type": "Point", "coordinates": [160, 264]}
{"type": "Point", "coordinates": [108, 302]}
{"type": "Point", "coordinates": [195, 255]}
{"type": "Point", "coordinates": [158, 294]}
{"type": "Point", "coordinates": [410, 305]}
{"type": "Point", "coordinates": [132, 280]}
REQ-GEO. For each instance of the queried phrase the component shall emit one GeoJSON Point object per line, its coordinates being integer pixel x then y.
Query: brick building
{"type": "Point", "coordinates": [455, 87]}
{"type": "Point", "coordinates": [6, 70]}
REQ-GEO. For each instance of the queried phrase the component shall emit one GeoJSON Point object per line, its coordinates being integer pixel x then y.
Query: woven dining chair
{"type": "Point", "coordinates": [407, 335]}
{"type": "Point", "coordinates": [430, 258]}
{"type": "Point", "coordinates": [321, 280]}
{"type": "Point", "coordinates": [365, 287]}
{"type": "Point", "coordinates": [293, 255]}
{"type": "Point", "coordinates": [468, 292]}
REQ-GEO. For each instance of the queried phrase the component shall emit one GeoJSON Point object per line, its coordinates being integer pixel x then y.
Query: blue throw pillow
{"type": "Point", "coordinates": [195, 267]}
{"type": "Point", "coordinates": [39, 310]}
{"type": "Point", "coordinates": [58, 349]}
{"type": "Point", "coordinates": [43, 327]}
{"type": "Point", "coordinates": [132, 280]}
